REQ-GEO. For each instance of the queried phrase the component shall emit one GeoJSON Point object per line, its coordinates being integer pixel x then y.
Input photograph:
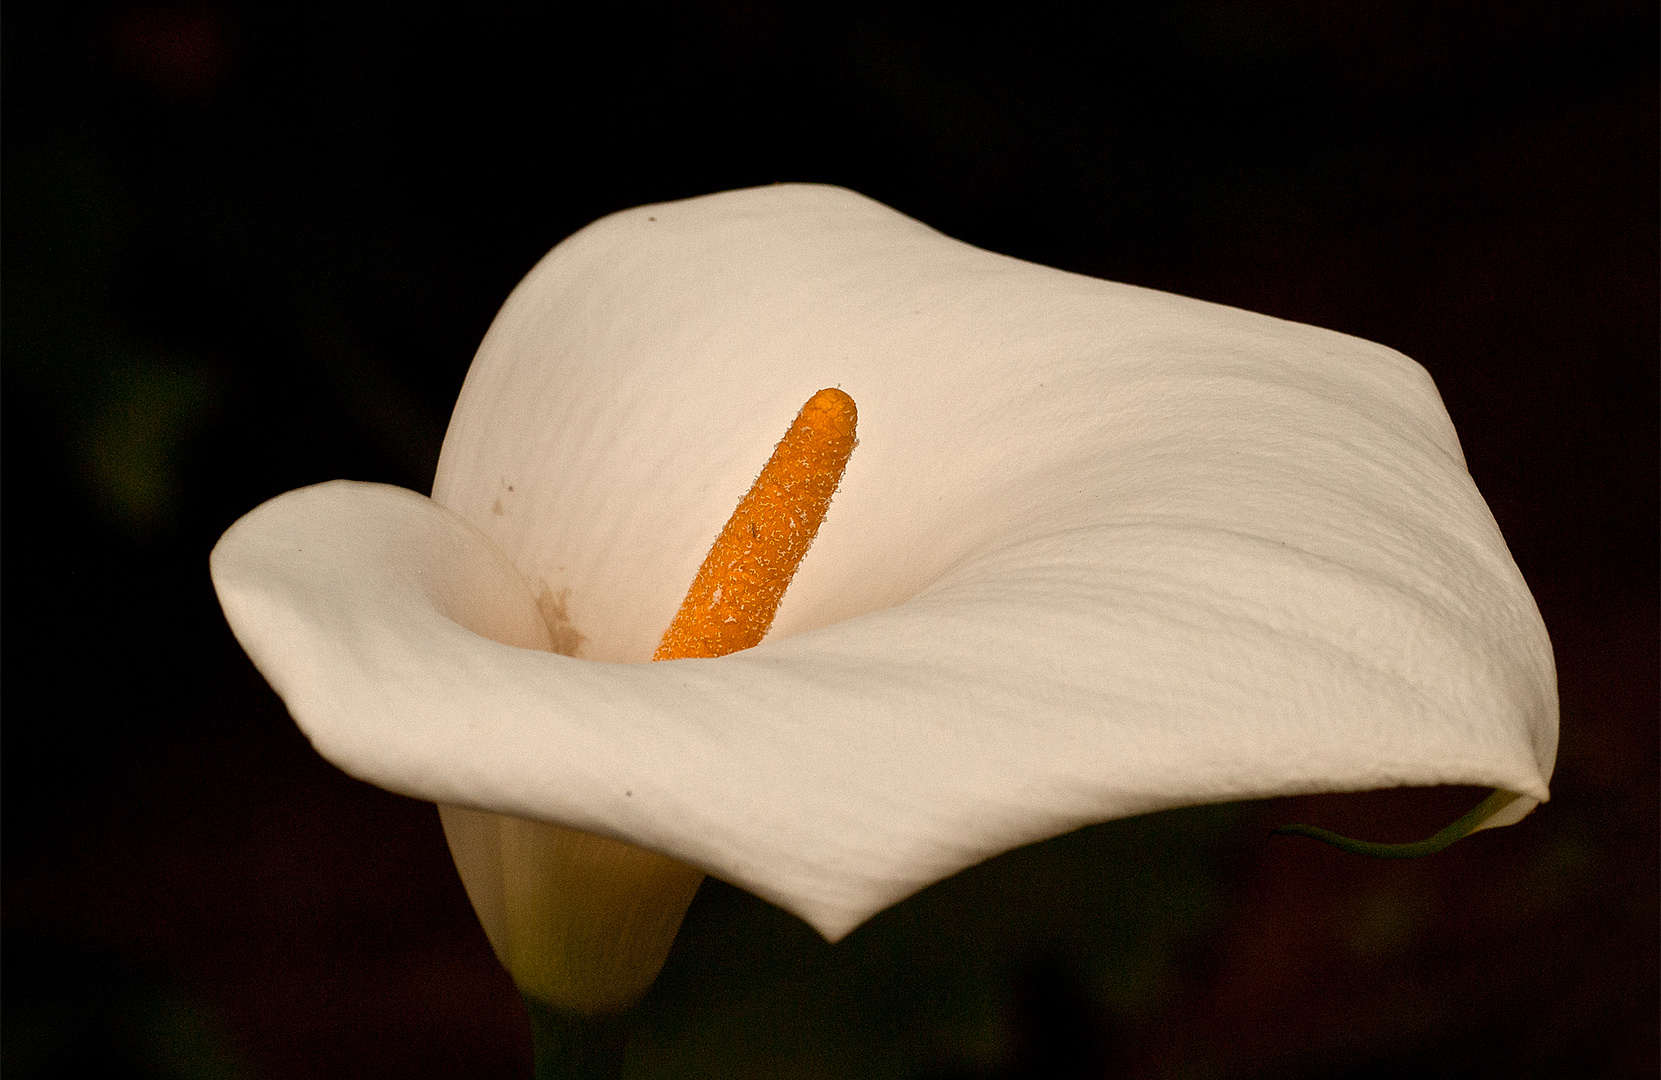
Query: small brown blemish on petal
{"type": "Point", "coordinates": [496, 508]}
{"type": "Point", "coordinates": [562, 632]}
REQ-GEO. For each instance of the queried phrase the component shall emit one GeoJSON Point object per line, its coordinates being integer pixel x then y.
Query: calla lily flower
{"type": "Point", "coordinates": [1101, 551]}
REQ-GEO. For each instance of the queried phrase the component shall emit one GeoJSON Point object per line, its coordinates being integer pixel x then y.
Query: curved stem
{"type": "Point", "coordinates": [570, 1046]}
{"type": "Point", "coordinates": [1484, 810]}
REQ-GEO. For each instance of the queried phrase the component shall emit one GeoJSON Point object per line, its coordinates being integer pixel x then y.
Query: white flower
{"type": "Point", "coordinates": [1101, 551]}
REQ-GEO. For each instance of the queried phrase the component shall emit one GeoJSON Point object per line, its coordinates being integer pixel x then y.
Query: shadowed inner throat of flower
{"type": "Point", "coordinates": [584, 923]}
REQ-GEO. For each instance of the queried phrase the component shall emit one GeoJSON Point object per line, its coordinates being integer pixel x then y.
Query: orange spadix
{"type": "Point", "coordinates": [738, 588]}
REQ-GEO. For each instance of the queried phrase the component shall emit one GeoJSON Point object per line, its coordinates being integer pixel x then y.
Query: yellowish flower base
{"type": "Point", "coordinates": [582, 923]}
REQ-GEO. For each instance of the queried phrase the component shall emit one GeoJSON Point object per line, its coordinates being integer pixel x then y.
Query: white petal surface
{"type": "Point", "coordinates": [1101, 551]}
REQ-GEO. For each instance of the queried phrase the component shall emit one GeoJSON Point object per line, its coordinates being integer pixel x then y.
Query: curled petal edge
{"type": "Point", "coordinates": [833, 773]}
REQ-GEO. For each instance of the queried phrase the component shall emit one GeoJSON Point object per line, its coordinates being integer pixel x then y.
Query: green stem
{"type": "Point", "coordinates": [1484, 810]}
{"type": "Point", "coordinates": [570, 1046]}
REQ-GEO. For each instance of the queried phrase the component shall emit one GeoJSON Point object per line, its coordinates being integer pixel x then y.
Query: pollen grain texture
{"type": "Point", "coordinates": [738, 588]}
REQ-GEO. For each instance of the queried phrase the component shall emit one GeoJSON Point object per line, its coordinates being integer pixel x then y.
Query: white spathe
{"type": "Point", "coordinates": [1101, 551]}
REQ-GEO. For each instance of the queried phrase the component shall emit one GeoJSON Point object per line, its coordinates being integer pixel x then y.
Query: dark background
{"type": "Point", "coordinates": [250, 247]}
